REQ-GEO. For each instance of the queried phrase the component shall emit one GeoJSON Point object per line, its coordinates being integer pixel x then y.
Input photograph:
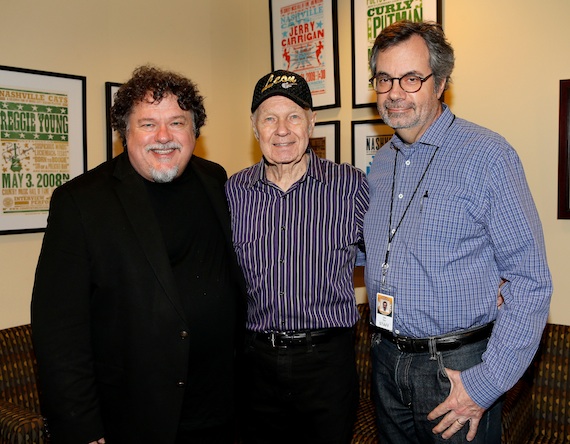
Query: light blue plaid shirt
{"type": "Point", "coordinates": [472, 222]}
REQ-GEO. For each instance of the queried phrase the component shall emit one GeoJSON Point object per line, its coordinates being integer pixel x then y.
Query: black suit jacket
{"type": "Point", "coordinates": [109, 330]}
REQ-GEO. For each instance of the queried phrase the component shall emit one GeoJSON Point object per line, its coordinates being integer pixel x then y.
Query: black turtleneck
{"type": "Point", "coordinates": [197, 250]}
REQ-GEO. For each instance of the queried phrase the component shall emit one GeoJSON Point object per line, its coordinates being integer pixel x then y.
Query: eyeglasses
{"type": "Point", "coordinates": [410, 83]}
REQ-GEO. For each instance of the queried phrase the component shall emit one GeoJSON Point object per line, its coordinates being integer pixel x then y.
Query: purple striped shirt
{"type": "Point", "coordinates": [297, 249]}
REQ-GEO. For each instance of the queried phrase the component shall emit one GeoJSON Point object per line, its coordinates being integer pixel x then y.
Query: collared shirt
{"type": "Point", "coordinates": [297, 248]}
{"type": "Point", "coordinates": [471, 222]}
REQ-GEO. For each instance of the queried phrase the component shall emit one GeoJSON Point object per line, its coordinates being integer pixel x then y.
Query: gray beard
{"type": "Point", "coordinates": [164, 176]}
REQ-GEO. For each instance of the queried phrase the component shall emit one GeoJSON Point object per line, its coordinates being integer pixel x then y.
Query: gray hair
{"type": "Point", "coordinates": [441, 57]}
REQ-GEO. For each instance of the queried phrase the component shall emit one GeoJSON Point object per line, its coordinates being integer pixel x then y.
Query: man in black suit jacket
{"type": "Point", "coordinates": [135, 302]}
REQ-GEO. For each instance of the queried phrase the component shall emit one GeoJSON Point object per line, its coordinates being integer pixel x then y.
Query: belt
{"type": "Point", "coordinates": [442, 343]}
{"type": "Point", "coordinates": [297, 338]}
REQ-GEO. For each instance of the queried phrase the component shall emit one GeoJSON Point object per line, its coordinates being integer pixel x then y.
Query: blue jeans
{"type": "Point", "coordinates": [408, 386]}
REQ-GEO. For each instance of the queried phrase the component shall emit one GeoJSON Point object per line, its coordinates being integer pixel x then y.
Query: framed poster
{"type": "Point", "coordinates": [304, 39]}
{"type": "Point", "coordinates": [43, 142]}
{"type": "Point", "coordinates": [114, 144]}
{"type": "Point", "coordinates": [563, 152]}
{"type": "Point", "coordinates": [368, 136]}
{"type": "Point", "coordinates": [369, 17]}
{"type": "Point", "coordinates": [325, 140]}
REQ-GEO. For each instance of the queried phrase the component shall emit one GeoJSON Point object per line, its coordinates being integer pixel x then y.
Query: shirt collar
{"type": "Point", "coordinates": [434, 135]}
{"type": "Point", "coordinates": [314, 170]}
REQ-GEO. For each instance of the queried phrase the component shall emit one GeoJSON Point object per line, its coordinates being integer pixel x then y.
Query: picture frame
{"type": "Point", "coordinates": [43, 142]}
{"type": "Point", "coordinates": [368, 136]}
{"type": "Point", "coordinates": [304, 39]}
{"type": "Point", "coordinates": [325, 140]}
{"type": "Point", "coordinates": [114, 143]}
{"type": "Point", "coordinates": [564, 151]}
{"type": "Point", "coordinates": [369, 17]}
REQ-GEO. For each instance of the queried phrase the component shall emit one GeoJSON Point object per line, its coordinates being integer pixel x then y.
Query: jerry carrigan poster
{"type": "Point", "coordinates": [304, 40]}
{"type": "Point", "coordinates": [42, 145]}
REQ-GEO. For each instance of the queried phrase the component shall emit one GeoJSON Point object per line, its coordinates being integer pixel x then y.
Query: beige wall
{"type": "Point", "coordinates": [508, 68]}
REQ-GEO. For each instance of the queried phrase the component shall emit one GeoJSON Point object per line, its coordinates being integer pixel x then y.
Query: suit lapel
{"type": "Point", "coordinates": [132, 194]}
{"type": "Point", "coordinates": [214, 188]}
{"type": "Point", "coordinates": [215, 192]}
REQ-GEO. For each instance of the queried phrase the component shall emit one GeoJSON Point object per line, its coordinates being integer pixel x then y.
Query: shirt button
{"type": "Point", "coordinates": [183, 334]}
{"type": "Point", "coordinates": [400, 196]}
{"type": "Point", "coordinates": [408, 163]}
{"type": "Point", "coordinates": [181, 384]}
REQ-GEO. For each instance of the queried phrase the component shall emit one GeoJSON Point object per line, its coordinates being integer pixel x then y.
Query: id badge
{"type": "Point", "coordinates": [385, 308]}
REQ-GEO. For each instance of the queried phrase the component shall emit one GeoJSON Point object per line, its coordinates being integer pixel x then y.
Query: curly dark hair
{"type": "Point", "coordinates": [160, 83]}
{"type": "Point", "coordinates": [441, 54]}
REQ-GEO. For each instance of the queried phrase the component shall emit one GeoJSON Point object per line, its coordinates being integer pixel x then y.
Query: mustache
{"type": "Point", "coordinates": [163, 146]}
{"type": "Point", "coordinates": [397, 104]}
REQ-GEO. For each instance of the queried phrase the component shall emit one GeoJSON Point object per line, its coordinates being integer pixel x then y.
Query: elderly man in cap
{"type": "Point", "coordinates": [297, 225]}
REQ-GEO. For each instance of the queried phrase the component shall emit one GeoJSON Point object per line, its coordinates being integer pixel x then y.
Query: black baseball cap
{"type": "Point", "coordinates": [282, 83]}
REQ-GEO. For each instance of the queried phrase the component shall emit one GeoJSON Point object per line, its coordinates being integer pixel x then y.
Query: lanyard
{"type": "Point", "coordinates": [391, 233]}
